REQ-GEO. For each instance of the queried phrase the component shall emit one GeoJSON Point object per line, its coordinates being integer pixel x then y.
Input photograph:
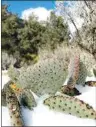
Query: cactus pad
{"type": "Point", "coordinates": [82, 74]}
{"type": "Point", "coordinates": [14, 108]}
{"type": "Point", "coordinates": [44, 77]}
{"type": "Point", "coordinates": [73, 70]}
{"type": "Point", "coordinates": [70, 105]}
{"type": "Point", "coordinates": [27, 99]}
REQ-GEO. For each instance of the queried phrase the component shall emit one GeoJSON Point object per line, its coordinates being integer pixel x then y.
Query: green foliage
{"type": "Point", "coordinates": [56, 32]}
{"type": "Point", "coordinates": [5, 12]}
{"type": "Point", "coordinates": [24, 38]}
{"type": "Point", "coordinates": [30, 37]}
{"type": "Point", "coordinates": [10, 25]}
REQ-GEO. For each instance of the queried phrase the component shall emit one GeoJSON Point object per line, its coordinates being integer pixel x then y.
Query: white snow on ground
{"type": "Point", "coordinates": [42, 116]}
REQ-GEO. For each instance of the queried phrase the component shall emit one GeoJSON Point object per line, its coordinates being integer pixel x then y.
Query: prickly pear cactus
{"type": "Point", "coordinates": [70, 105]}
{"type": "Point", "coordinates": [14, 108]}
{"type": "Point", "coordinates": [48, 75]}
{"type": "Point", "coordinates": [44, 77]}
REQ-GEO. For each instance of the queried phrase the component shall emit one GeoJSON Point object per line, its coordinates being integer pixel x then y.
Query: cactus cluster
{"type": "Point", "coordinates": [70, 105]}
{"type": "Point", "coordinates": [48, 75]}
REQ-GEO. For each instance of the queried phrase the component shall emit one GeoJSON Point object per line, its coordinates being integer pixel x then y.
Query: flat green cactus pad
{"type": "Point", "coordinates": [27, 99]}
{"type": "Point", "coordinates": [82, 74]}
{"type": "Point", "coordinates": [44, 77]}
{"type": "Point", "coordinates": [70, 105]}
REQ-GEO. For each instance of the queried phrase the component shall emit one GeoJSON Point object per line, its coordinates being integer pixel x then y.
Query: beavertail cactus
{"type": "Point", "coordinates": [70, 105]}
{"type": "Point", "coordinates": [47, 76]}
{"type": "Point", "coordinates": [14, 108]}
